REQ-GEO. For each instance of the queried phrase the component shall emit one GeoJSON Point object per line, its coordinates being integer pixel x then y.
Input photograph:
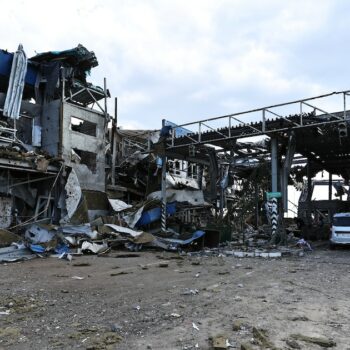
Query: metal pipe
{"type": "Point", "coordinates": [30, 181]}
{"type": "Point", "coordinates": [321, 110]}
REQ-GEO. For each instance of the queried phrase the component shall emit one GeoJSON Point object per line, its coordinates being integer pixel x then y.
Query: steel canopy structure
{"type": "Point", "coordinates": [311, 131]}
{"type": "Point", "coordinates": [317, 131]}
{"type": "Point", "coordinates": [304, 113]}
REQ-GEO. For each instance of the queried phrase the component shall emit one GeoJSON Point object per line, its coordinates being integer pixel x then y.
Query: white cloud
{"type": "Point", "coordinates": [131, 98]}
{"type": "Point", "coordinates": [130, 125]}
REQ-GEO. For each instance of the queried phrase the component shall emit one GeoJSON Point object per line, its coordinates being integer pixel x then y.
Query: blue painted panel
{"type": "Point", "coordinates": [6, 63]}
{"type": "Point", "coordinates": [154, 214]}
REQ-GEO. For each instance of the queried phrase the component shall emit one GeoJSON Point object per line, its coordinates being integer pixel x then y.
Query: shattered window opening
{"type": "Point", "coordinates": [87, 158]}
{"type": "Point", "coordinates": [175, 167]}
{"type": "Point", "coordinates": [83, 126]}
{"type": "Point", "coordinates": [192, 171]}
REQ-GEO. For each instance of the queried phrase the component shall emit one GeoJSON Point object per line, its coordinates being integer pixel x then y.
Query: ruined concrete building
{"type": "Point", "coordinates": [63, 159]}
{"type": "Point", "coordinates": [53, 126]}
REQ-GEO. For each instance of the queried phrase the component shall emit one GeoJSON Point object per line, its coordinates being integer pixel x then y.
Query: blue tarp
{"type": "Point", "coordinates": [37, 248]}
{"type": "Point", "coordinates": [59, 249]}
{"type": "Point", "coordinates": [154, 214]}
{"type": "Point", "coordinates": [6, 64]}
{"type": "Point", "coordinates": [196, 235]}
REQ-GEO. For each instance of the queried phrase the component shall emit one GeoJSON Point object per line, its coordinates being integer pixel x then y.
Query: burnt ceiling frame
{"type": "Point", "coordinates": [228, 132]}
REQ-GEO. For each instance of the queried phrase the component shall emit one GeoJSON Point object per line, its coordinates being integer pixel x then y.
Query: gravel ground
{"type": "Point", "coordinates": [163, 301]}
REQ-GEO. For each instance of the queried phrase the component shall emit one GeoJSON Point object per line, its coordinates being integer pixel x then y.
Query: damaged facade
{"type": "Point", "coordinates": [61, 156]}
{"type": "Point", "coordinates": [233, 181]}
{"type": "Point", "coordinates": [72, 180]}
{"type": "Point", "coordinates": [53, 145]}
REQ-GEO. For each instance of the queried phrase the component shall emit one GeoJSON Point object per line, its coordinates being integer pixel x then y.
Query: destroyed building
{"type": "Point", "coordinates": [68, 169]}
{"type": "Point", "coordinates": [53, 134]}
{"type": "Point", "coordinates": [242, 170]}
{"type": "Point", "coordinates": [63, 176]}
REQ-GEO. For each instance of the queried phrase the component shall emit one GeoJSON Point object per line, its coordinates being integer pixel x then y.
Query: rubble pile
{"type": "Point", "coordinates": [134, 228]}
{"type": "Point", "coordinates": [72, 182]}
{"type": "Point", "coordinates": [123, 229]}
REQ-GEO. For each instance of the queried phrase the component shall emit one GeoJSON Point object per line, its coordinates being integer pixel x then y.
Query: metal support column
{"type": "Point", "coordinates": [330, 187]}
{"type": "Point", "coordinates": [286, 170]}
{"type": "Point", "coordinates": [222, 192]}
{"type": "Point", "coordinates": [105, 93]}
{"type": "Point", "coordinates": [163, 218]}
{"type": "Point", "coordinates": [309, 193]}
{"type": "Point", "coordinates": [114, 139]}
{"type": "Point", "coordinates": [274, 186]}
{"type": "Point", "coordinates": [274, 165]}
{"type": "Point", "coordinates": [274, 218]}
{"type": "Point", "coordinates": [200, 176]}
{"type": "Point", "coordinates": [256, 193]}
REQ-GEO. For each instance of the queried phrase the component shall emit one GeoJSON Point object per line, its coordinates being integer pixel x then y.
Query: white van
{"type": "Point", "coordinates": [340, 230]}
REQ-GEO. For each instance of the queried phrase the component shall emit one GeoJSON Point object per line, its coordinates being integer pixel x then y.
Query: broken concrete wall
{"type": "Point", "coordinates": [93, 205]}
{"type": "Point", "coordinates": [90, 169]}
{"type": "Point", "coordinates": [48, 131]}
{"type": "Point", "coordinates": [50, 123]}
{"type": "Point", "coordinates": [6, 211]}
{"type": "Point", "coordinates": [29, 117]}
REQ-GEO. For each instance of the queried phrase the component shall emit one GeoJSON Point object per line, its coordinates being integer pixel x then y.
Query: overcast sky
{"type": "Point", "coordinates": [187, 60]}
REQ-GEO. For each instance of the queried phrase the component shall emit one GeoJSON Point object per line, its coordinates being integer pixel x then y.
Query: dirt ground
{"type": "Point", "coordinates": [162, 301]}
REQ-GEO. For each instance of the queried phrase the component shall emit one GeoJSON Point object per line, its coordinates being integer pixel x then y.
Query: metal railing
{"type": "Point", "coordinates": [310, 108]}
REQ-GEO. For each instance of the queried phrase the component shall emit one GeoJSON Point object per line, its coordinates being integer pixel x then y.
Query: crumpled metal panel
{"type": "Point", "coordinates": [16, 84]}
{"type": "Point", "coordinates": [15, 253]}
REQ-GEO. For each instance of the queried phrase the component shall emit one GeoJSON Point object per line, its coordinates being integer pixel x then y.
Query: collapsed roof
{"type": "Point", "coordinates": [71, 66]}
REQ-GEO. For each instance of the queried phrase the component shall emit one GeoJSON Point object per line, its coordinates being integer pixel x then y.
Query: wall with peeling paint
{"type": "Point", "coordinates": [90, 177]}
{"type": "Point", "coordinates": [5, 210]}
